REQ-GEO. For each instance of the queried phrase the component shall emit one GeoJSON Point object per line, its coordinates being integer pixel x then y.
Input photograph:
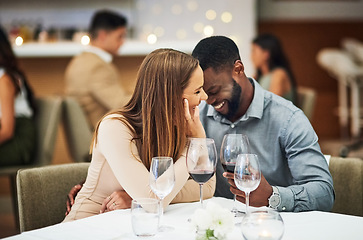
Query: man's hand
{"type": "Point", "coordinates": [72, 195]}
{"type": "Point", "coordinates": [117, 200]}
{"type": "Point", "coordinates": [258, 197]}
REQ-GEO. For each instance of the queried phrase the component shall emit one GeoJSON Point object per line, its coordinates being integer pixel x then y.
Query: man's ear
{"type": "Point", "coordinates": [238, 67]}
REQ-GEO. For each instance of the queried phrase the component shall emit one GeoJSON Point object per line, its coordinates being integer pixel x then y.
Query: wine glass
{"type": "Point", "coordinates": [232, 146]}
{"type": "Point", "coordinates": [247, 174]}
{"type": "Point", "coordinates": [201, 161]}
{"type": "Point", "coordinates": [162, 181]}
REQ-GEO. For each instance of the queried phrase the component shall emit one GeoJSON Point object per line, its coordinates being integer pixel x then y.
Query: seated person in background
{"type": "Point", "coordinates": [162, 113]}
{"type": "Point", "coordinates": [295, 174]}
{"type": "Point", "coordinates": [91, 77]}
{"type": "Point", "coordinates": [17, 127]}
{"type": "Point", "coordinates": [273, 69]}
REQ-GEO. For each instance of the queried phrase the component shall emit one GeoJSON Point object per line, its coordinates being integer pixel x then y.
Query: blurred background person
{"type": "Point", "coordinates": [17, 128]}
{"type": "Point", "coordinates": [91, 77]}
{"type": "Point", "coordinates": [273, 70]}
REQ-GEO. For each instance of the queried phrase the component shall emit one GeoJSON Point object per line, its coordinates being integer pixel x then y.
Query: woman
{"type": "Point", "coordinates": [17, 129]}
{"type": "Point", "coordinates": [273, 69]}
{"type": "Point", "coordinates": [161, 114]}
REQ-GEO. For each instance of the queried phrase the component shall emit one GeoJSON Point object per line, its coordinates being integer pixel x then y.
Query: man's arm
{"type": "Point", "coordinates": [312, 186]}
{"type": "Point", "coordinates": [72, 195]}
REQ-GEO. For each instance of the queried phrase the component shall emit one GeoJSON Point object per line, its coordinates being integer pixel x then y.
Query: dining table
{"type": "Point", "coordinates": [117, 225]}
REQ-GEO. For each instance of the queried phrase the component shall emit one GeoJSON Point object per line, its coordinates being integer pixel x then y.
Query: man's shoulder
{"type": "Point", "coordinates": [84, 64]}
{"type": "Point", "coordinates": [87, 57]}
{"type": "Point", "coordinates": [279, 103]}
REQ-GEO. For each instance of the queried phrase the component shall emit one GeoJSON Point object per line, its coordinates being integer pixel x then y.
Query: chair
{"type": "Point", "coordinates": [306, 100]}
{"type": "Point", "coordinates": [347, 176]}
{"type": "Point", "coordinates": [47, 120]}
{"type": "Point", "coordinates": [77, 130]}
{"type": "Point", "coordinates": [42, 193]}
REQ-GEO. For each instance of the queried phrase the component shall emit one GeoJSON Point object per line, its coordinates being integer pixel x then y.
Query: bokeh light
{"type": "Point", "coordinates": [159, 31]}
{"type": "Point", "coordinates": [152, 38]}
{"type": "Point", "coordinates": [198, 27]}
{"type": "Point", "coordinates": [226, 17]}
{"type": "Point", "coordinates": [19, 41]}
{"type": "Point", "coordinates": [85, 40]}
{"type": "Point", "coordinates": [210, 14]}
{"type": "Point", "coordinates": [208, 30]}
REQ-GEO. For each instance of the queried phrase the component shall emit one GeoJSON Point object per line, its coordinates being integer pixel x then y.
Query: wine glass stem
{"type": "Point", "coordinates": [247, 201]}
{"type": "Point", "coordinates": [234, 209]}
{"type": "Point", "coordinates": [161, 211]}
{"type": "Point", "coordinates": [201, 194]}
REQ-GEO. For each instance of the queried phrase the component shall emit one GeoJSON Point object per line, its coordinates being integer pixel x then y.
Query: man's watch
{"type": "Point", "coordinates": [275, 200]}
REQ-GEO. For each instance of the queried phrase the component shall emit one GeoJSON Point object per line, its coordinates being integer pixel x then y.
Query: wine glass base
{"type": "Point", "coordinates": [238, 213]}
{"type": "Point", "coordinates": [165, 229]}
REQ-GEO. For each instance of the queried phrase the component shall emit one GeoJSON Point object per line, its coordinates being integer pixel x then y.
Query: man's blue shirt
{"type": "Point", "coordinates": [287, 147]}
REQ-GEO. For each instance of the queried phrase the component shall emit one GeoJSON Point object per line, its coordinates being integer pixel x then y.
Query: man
{"type": "Point", "coordinates": [91, 77]}
{"type": "Point", "coordinates": [295, 174]}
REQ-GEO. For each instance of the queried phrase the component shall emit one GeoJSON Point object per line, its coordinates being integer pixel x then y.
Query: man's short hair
{"type": "Point", "coordinates": [106, 20]}
{"type": "Point", "coordinates": [217, 52]}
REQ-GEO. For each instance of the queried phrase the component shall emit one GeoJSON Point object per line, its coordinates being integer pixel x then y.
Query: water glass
{"type": "Point", "coordinates": [145, 216]}
{"type": "Point", "coordinates": [262, 224]}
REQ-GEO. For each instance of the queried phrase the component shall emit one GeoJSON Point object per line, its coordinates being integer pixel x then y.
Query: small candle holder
{"type": "Point", "coordinates": [262, 225]}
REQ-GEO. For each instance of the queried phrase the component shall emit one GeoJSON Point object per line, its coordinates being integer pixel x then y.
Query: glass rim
{"type": "Point", "coordinates": [235, 134]}
{"type": "Point", "coordinates": [194, 138]}
{"type": "Point", "coordinates": [162, 158]}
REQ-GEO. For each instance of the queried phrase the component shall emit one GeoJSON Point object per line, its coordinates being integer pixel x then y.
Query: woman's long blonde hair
{"type": "Point", "coordinates": [155, 112]}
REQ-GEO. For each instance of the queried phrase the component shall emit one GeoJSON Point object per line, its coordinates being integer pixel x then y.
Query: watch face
{"type": "Point", "coordinates": [274, 201]}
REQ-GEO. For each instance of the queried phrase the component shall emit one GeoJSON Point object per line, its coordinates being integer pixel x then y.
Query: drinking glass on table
{"type": "Point", "coordinates": [247, 174]}
{"type": "Point", "coordinates": [162, 181]}
{"type": "Point", "coordinates": [201, 161]}
{"type": "Point", "coordinates": [145, 216]}
{"type": "Point", "coordinates": [232, 146]}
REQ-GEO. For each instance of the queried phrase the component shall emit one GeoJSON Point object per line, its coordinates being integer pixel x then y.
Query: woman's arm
{"type": "Point", "coordinates": [280, 82]}
{"type": "Point", "coordinates": [7, 120]}
{"type": "Point", "coordinates": [114, 142]}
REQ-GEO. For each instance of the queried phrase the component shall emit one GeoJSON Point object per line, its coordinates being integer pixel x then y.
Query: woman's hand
{"type": "Point", "coordinates": [117, 200]}
{"type": "Point", "coordinates": [195, 127]}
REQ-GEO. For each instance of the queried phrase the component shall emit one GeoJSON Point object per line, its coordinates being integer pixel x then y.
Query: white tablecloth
{"type": "Point", "coordinates": [117, 225]}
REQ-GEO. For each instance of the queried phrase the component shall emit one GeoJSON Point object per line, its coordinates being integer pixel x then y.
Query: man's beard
{"type": "Point", "coordinates": [234, 101]}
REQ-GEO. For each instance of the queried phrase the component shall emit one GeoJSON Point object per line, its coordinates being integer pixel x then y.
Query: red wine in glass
{"type": "Point", "coordinates": [229, 167]}
{"type": "Point", "coordinates": [201, 176]}
{"type": "Point", "coordinates": [201, 160]}
{"type": "Point", "coordinates": [232, 146]}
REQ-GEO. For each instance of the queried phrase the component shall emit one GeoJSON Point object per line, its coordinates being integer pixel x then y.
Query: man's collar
{"type": "Point", "coordinates": [105, 56]}
{"type": "Point", "coordinates": [254, 110]}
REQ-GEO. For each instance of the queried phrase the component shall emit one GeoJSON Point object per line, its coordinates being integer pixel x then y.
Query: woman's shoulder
{"type": "Point", "coordinates": [279, 72]}
{"type": "Point", "coordinates": [116, 119]}
{"type": "Point", "coordinates": [5, 80]}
